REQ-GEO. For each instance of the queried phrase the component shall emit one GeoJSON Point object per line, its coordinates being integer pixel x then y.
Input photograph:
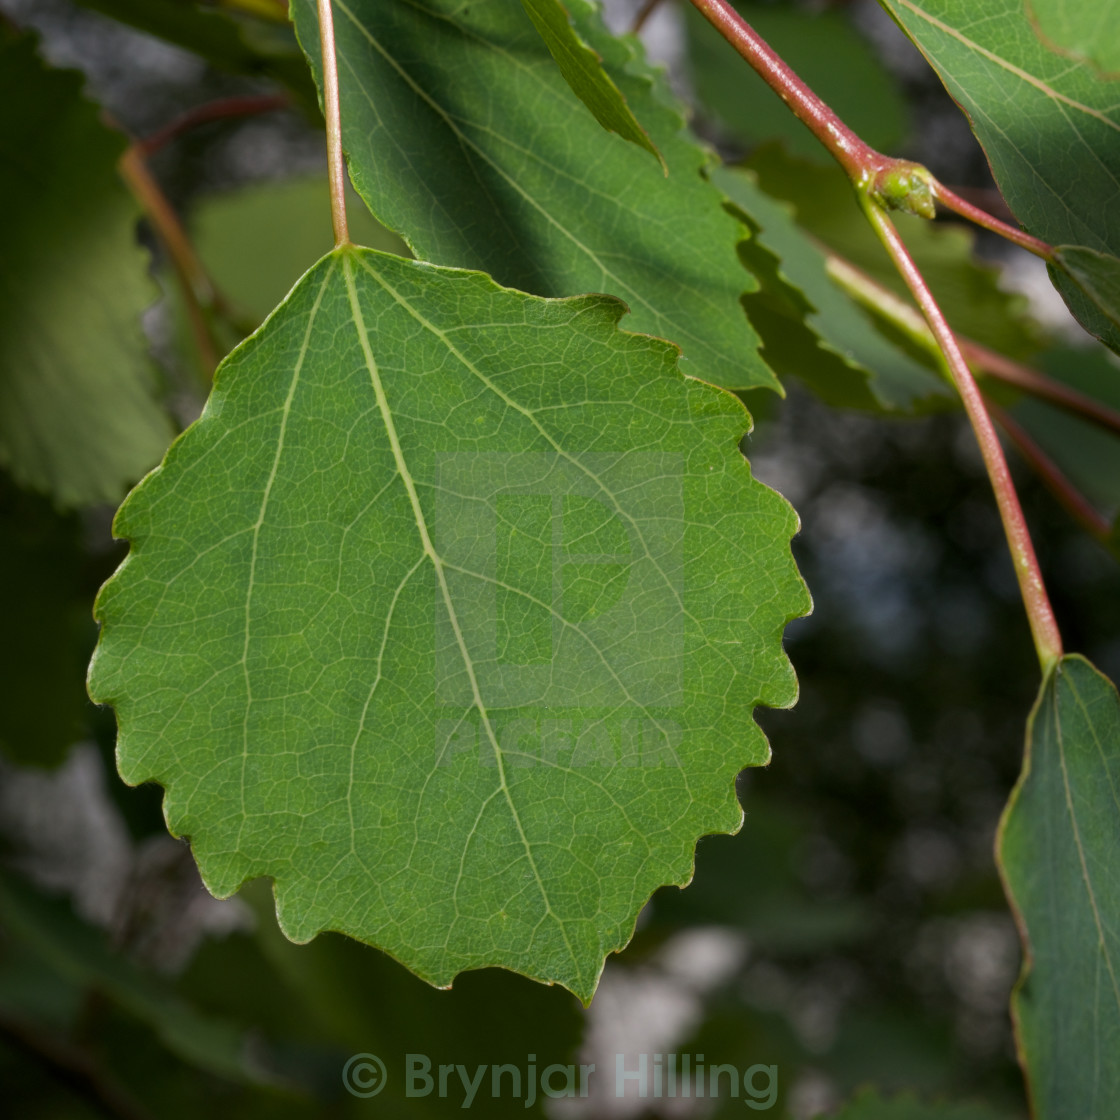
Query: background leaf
{"type": "Point", "coordinates": [464, 138]}
{"type": "Point", "coordinates": [44, 938]}
{"type": "Point", "coordinates": [489, 758]}
{"type": "Point", "coordinates": [79, 417]}
{"type": "Point", "coordinates": [49, 634]}
{"type": "Point", "coordinates": [1049, 126]}
{"type": "Point", "coordinates": [1088, 454]}
{"type": "Point", "coordinates": [1057, 846]}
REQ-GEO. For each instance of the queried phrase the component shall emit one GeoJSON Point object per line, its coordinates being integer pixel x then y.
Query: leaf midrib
{"type": "Point", "coordinates": [437, 564]}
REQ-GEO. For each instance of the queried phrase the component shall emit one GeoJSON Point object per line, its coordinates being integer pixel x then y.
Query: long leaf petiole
{"type": "Point", "coordinates": [1044, 627]}
{"type": "Point", "coordinates": [335, 161]}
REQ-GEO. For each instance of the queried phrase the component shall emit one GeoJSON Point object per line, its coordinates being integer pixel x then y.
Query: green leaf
{"type": "Point", "coordinates": [583, 71]}
{"type": "Point", "coordinates": [449, 615]}
{"type": "Point", "coordinates": [1084, 30]}
{"type": "Point", "coordinates": [79, 417]}
{"type": "Point", "coordinates": [1057, 850]}
{"type": "Point", "coordinates": [869, 1105]}
{"type": "Point", "coordinates": [824, 49]}
{"type": "Point", "coordinates": [48, 935]}
{"type": "Point", "coordinates": [463, 137]}
{"type": "Point", "coordinates": [1049, 125]}
{"type": "Point", "coordinates": [841, 356]}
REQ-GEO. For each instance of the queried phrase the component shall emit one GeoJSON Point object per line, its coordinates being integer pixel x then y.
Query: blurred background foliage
{"type": "Point", "coordinates": [853, 934]}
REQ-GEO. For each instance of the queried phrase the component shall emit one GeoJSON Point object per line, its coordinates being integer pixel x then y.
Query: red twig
{"type": "Point", "coordinates": [644, 12]}
{"type": "Point", "coordinates": [860, 160]}
{"type": "Point", "coordinates": [965, 209]}
{"type": "Point", "coordinates": [222, 109]}
{"type": "Point", "coordinates": [198, 291]}
{"type": "Point", "coordinates": [1045, 388]}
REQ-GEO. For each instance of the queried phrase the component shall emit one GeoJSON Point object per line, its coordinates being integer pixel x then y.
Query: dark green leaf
{"type": "Point", "coordinates": [824, 49]}
{"type": "Point", "coordinates": [78, 412]}
{"type": "Point", "coordinates": [583, 71]}
{"type": "Point", "coordinates": [1057, 849]}
{"type": "Point", "coordinates": [463, 137]}
{"type": "Point", "coordinates": [450, 615]}
{"type": "Point", "coordinates": [1049, 125]}
{"type": "Point", "coordinates": [48, 630]}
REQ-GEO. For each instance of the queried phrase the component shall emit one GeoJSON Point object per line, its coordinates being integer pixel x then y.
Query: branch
{"type": "Point", "coordinates": [896, 184]}
{"type": "Point", "coordinates": [222, 109]}
{"type": "Point", "coordinates": [965, 209]}
{"type": "Point", "coordinates": [646, 10]}
{"type": "Point", "coordinates": [1044, 627]}
{"type": "Point", "coordinates": [198, 291]}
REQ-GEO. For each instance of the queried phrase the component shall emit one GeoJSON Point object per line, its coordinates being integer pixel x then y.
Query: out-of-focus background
{"type": "Point", "coordinates": [853, 933]}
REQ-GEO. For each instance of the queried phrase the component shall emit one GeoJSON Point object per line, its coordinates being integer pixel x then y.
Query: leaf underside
{"type": "Point", "coordinates": [449, 615]}
{"type": "Point", "coordinates": [1057, 848]}
{"type": "Point", "coordinates": [463, 137]}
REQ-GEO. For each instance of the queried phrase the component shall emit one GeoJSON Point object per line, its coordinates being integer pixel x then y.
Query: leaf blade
{"type": "Point", "coordinates": [365, 651]}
